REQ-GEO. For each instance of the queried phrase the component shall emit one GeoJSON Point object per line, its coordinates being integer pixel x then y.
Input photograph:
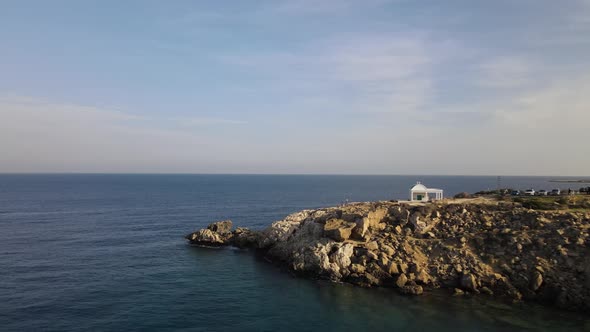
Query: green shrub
{"type": "Point", "coordinates": [539, 205]}
{"type": "Point", "coordinates": [562, 200]}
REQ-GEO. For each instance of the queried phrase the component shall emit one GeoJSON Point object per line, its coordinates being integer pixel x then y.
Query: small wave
{"type": "Point", "coordinates": [206, 246]}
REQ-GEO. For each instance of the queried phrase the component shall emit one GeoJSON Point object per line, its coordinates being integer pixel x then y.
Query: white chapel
{"type": "Point", "coordinates": [420, 193]}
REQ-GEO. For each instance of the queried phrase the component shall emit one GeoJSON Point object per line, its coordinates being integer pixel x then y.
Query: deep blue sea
{"type": "Point", "coordinates": [106, 252]}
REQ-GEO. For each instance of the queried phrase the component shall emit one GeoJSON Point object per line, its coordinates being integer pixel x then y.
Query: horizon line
{"type": "Point", "coordinates": [576, 177]}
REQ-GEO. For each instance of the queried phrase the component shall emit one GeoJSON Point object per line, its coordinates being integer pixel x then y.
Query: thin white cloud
{"type": "Point", "coordinates": [389, 74]}
{"type": "Point", "coordinates": [422, 93]}
{"type": "Point", "coordinates": [306, 7]}
{"type": "Point", "coordinates": [506, 72]}
{"type": "Point", "coordinates": [207, 121]}
{"type": "Point", "coordinates": [562, 105]}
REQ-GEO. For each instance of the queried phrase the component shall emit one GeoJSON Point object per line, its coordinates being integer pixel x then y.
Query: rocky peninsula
{"type": "Point", "coordinates": [463, 247]}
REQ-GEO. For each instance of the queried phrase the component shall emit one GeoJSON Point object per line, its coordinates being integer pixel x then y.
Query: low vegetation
{"type": "Point", "coordinates": [579, 201]}
{"type": "Point", "coordinates": [554, 202]}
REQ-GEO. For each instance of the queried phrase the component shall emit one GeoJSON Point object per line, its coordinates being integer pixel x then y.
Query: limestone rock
{"type": "Point", "coordinates": [278, 232]}
{"type": "Point", "coordinates": [486, 290]}
{"type": "Point", "coordinates": [221, 227]}
{"type": "Point", "coordinates": [375, 218]}
{"type": "Point", "coordinates": [412, 289]}
{"type": "Point", "coordinates": [392, 268]}
{"type": "Point", "coordinates": [401, 280]}
{"type": "Point", "coordinates": [245, 238]}
{"type": "Point", "coordinates": [361, 231]}
{"type": "Point", "coordinates": [423, 277]}
{"type": "Point", "coordinates": [372, 246]}
{"type": "Point", "coordinates": [468, 282]}
{"type": "Point", "coordinates": [536, 280]}
{"type": "Point", "coordinates": [206, 237]}
{"type": "Point", "coordinates": [387, 250]}
{"type": "Point", "coordinates": [357, 268]}
{"type": "Point", "coordinates": [371, 280]}
{"type": "Point", "coordinates": [496, 248]}
{"type": "Point", "coordinates": [338, 229]}
{"type": "Point", "coordinates": [341, 259]}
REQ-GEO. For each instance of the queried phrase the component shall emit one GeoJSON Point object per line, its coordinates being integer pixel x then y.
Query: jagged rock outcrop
{"type": "Point", "coordinates": [207, 237]}
{"type": "Point", "coordinates": [216, 234]}
{"type": "Point", "coordinates": [483, 247]}
{"type": "Point", "coordinates": [221, 227]}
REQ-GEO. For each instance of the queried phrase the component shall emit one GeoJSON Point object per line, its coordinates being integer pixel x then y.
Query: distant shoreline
{"type": "Point", "coordinates": [571, 181]}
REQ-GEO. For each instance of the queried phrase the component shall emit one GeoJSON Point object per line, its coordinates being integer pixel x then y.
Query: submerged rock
{"type": "Point", "coordinates": [412, 289]}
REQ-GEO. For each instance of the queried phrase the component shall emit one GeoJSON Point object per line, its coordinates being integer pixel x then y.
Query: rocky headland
{"type": "Point", "coordinates": [463, 247]}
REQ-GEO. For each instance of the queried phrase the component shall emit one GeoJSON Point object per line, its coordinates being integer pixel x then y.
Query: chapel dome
{"type": "Point", "coordinates": [418, 187]}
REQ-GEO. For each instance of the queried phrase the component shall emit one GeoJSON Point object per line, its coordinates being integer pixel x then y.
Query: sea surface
{"type": "Point", "coordinates": [106, 252]}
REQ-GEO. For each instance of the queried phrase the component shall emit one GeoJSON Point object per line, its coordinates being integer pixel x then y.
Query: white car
{"type": "Point", "coordinates": [529, 192]}
{"type": "Point", "coordinates": [542, 192]}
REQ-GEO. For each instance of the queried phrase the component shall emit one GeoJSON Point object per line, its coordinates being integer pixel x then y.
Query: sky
{"type": "Point", "coordinates": [296, 87]}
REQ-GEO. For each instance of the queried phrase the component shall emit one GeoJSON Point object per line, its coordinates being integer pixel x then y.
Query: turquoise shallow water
{"type": "Point", "coordinates": [105, 252]}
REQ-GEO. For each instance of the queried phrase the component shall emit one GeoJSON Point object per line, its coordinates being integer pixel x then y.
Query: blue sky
{"type": "Point", "coordinates": [353, 87]}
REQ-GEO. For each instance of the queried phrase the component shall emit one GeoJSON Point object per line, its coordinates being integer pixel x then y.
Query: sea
{"type": "Point", "coordinates": [105, 252]}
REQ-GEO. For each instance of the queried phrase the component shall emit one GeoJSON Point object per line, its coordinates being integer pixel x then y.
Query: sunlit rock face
{"type": "Point", "coordinates": [468, 246]}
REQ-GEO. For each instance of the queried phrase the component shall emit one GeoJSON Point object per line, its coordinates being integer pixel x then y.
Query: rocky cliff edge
{"type": "Point", "coordinates": [477, 246]}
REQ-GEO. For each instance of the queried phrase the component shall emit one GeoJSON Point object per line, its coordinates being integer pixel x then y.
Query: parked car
{"type": "Point", "coordinates": [555, 192]}
{"type": "Point", "coordinates": [529, 192]}
{"type": "Point", "coordinates": [542, 192]}
{"type": "Point", "coordinates": [515, 193]}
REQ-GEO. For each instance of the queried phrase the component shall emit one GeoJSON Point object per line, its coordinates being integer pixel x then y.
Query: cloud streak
{"type": "Point", "coordinates": [302, 87]}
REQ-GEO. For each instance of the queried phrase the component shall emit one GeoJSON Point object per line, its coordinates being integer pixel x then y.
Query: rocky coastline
{"type": "Point", "coordinates": [462, 246]}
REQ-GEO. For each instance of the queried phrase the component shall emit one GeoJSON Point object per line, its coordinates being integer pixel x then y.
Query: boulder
{"type": "Point", "coordinates": [361, 231]}
{"type": "Point", "coordinates": [207, 237]}
{"type": "Point", "coordinates": [221, 227]}
{"type": "Point", "coordinates": [375, 218]}
{"type": "Point", "coordinates": [338, 229]}
{"type": "Point", "coordinates": [387, 250]}
{"type": "Point", "coordinates": [468, 282]}
{"type": "Point", "coordinates": [341, 257]}
{"type": "Point", "coordinates": [401, 280]}
{"type": "Point", "coordinates": [357, 268]}
{"type": "Point", "coordinates": [309, 259]}
{"type": "Point", "coordinates": [372, 246]}
{"type": "Point", "coordinates": [423, 277]}
{"type": "Point", "coordinates": [536, 281]}
{"type": "Point", "coordinates": [486, 290]}
{"type": "Point", "coordinates": [300, 216]}
{"type": "Point", "coordinates": [458, 292]}
{"type": "Point", "coordinates": [403, 267]}
{"type": "Point", "coordinates": [244, 238]}
{"type": "Point", "coordinates": [392, 268]}
{"type": "Point", "coordinates": [412, 289]}
{"type": "Point", "coordinates": [278, 231]}
{"type": "Point", "coordinates": [372, 280]}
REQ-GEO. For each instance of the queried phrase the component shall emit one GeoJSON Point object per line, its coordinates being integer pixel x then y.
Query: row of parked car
{"type": "Point", "coordinates": [532, 192]}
